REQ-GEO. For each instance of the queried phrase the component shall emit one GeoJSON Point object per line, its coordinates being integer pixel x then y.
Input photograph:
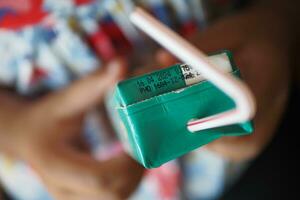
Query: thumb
{"type": "Point", "coordinates": [225, 34]}
{"type": "Point", "coordinates": [85, 93]}
{"type": "Point", "coordinates": [228, 33]}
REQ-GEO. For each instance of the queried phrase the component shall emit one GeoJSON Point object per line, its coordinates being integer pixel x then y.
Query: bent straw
{"type": "Point", "coordinates": [233, 87]}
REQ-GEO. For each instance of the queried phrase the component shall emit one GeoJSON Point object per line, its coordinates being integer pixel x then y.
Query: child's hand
{"type": "Point", "coordinates": [42, 133]}
{"type": "Point", "coordinates": [259, 40]}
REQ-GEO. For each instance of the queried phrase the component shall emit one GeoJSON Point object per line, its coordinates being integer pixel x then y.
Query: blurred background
{"type": "Point", "coordinates": [45, 45]}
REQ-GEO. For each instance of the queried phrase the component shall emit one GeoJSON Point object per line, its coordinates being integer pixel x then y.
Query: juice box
{"type": "Point", "coordinates": [150, 112]}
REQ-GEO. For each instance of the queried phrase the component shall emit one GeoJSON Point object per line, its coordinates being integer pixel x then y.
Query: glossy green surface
{"type": "Point", "coordinates": [154, 130]}
{"type": "Point", "coordinates": [155, 83]}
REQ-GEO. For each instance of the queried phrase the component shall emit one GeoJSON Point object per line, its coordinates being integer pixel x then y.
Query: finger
{"type": "Point", "coordinates": [234, 148]}
{"type": "Point", "coordinates": [119, 175]}
{"type": "Point", "coordinates": [66, 168]}
{"type": "Point", "coordinates": [59, 171]}
{"type": "Point", "coordinates": [55, 194]}
{"type": "Point", "coordinates": [127, 172]}
{"type": "Point", "coordinates": [165, 58]}
{"type": "Point", "coordinates": [224, 34]}
{"type": "Point", "coordinates": [85, 93]}
{"type": "Point", "coordinates": [63, 194]}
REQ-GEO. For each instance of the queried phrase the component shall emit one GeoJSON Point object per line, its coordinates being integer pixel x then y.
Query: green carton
{"type": "Point", "coordinates": [150, 112]}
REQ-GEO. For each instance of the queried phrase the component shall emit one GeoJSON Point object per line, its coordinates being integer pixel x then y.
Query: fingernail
{"type": "Point", "coordinates": [114, 66]}
{"type": "Point", "coordinates": [108, 196]}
